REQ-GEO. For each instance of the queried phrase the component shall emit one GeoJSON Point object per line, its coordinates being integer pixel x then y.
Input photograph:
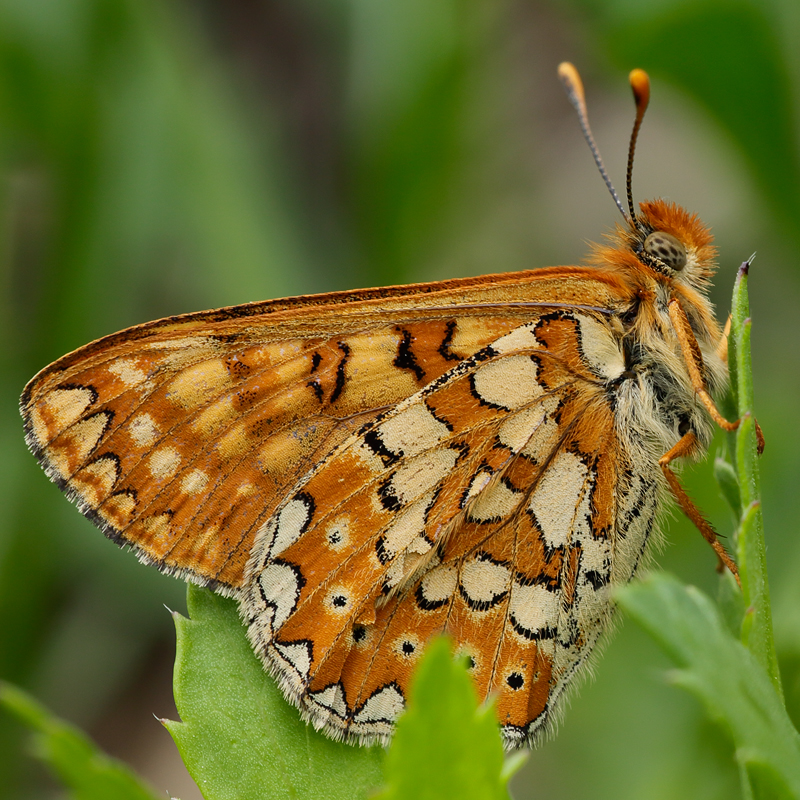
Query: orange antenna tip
{"type": "Point", "coordinates": [640, 83]}
{"type": "Point", "coordinates": [572, 81]}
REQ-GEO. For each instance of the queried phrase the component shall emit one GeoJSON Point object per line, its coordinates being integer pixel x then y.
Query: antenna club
{"type": "Point", "coordinates": [571, 80]}
{"type": "Point", "coordinates": [640, 83]}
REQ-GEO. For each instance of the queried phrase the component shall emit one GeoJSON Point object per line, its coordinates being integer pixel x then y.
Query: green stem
{"type": "Point", "coordinates": [756, 631]}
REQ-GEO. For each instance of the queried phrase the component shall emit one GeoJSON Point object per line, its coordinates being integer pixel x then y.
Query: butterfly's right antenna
{"type": "Point", "coordinates": [640, 83]}
{"type": "Point", "coordinates": [572, 83]}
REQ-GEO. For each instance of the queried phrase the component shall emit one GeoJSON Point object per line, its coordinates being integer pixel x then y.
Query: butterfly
{"type": "Point", "coordinates": [483, 457]}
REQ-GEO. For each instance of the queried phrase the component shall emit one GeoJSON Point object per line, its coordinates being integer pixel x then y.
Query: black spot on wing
{"type": "Point", "coordinates": [444, 348]}
{"type": "Point", "coordinates": [386, 495]}
{"type": "Point", "coordinates": [316, 387]}
{"type": "Point", "coordinates": [515, 681]}
{"type": "Point", "coordinates": [597, 579]}
{"type": "Point", "coordinates": [373, 440]}
{"type": "Point", "coordinates": [340, 371]}
{"type": "Point", "coordinates": [405, 358]}
{"type": "Point", "coordinates": [359, 633]}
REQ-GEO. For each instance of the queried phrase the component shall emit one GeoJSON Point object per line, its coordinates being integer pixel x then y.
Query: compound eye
{"type": "Point", "coordinates": [666, 248]}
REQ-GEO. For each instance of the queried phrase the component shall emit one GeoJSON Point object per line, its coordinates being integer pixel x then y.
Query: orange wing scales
{"type": "Point", "coordinates": [364, 471]}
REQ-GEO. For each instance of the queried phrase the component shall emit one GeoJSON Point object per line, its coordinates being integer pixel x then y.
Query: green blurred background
{"type": "Point", "coordinates": [164, 157]}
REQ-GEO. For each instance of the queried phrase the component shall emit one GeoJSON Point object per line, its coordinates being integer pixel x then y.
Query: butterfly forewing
{"type": "Point", "coordinates": [181, 437]}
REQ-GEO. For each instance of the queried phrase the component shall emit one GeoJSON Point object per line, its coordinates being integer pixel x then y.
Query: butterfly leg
{"type": "Point", "coordinates": [694, 363]}
{"type": "Point", "coordinates": [722, 347]}
{"type": "Point", "coordinates": [686, 444]}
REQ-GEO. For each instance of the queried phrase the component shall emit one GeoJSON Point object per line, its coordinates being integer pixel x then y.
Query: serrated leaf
{"type": "Point", "coordinates": [81, 766]}
{"type": "Point", "coordinates": [725, 676]}
{"type": "Point", "coordinates": [445, 746]}
{"type": "Point", "coordinates": [238, 737]}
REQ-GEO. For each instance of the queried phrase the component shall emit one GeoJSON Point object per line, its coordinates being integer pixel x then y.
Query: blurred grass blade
{"type": "Point", "coordinates": [729, 56]}
{"type": "Point", "coordinates": [88, 772]}
{"type": "Point", "coordinates": [413, 87]}
{"type": "Point", "coordinates": [727, 678]}
{"type": "Point", "coordinates": [445, 746]}
{"type": "Point", "coordinates": [239, 738]}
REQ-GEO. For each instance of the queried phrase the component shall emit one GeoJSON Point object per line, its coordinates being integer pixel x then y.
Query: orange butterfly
{"type": "Point", "coordinates": [485, 457]}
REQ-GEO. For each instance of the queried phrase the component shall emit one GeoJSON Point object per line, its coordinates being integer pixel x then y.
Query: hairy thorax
{"type": "Point", "coordinates": [656, 401]}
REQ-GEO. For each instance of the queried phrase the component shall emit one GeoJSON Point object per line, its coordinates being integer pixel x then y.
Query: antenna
{"type": "Point", "coordinates": [640, 83]}
{"type": "Point", "coordinates": [572, 83]}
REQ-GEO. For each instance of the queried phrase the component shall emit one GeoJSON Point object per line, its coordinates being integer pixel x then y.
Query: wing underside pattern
{"type": "Point", "coordinates": [362, 492]}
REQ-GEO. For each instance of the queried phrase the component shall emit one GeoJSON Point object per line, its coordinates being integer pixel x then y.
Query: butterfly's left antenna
{"type": "Point", "coordinates": [572, 83]}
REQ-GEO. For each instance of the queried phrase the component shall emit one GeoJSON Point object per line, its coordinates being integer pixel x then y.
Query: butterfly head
{"type": "Point", "coordinates": [673, 243]}
{"type": "Point", "coordinates": [670, 243]}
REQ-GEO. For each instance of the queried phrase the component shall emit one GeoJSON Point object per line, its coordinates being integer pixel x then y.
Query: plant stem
{"type": "Point", "coordinates": [756, 630]}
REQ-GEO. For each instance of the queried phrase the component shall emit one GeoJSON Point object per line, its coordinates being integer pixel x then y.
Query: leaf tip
{"type": "Point", "coordinates": [172, 725]}
{"type": "Point", "coordinates": [176, 615]}
{"type": "Point", "coordinates": [744, 269]}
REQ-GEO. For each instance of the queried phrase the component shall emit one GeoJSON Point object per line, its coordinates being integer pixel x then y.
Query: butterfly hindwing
{"type": "Point", "coordinates": [484, 506]}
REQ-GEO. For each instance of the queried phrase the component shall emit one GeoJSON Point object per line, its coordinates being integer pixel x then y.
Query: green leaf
{"type": "Point", "coordinates": [239, 738]}
{"type": "Point", "coordinates": [81, 766]}
{"type": "Point", "coordinates": [445, 746]}
{"type": "Point", "coordinates": [725, 475]}
{"type": "Point", "coordinates": [725, 676]}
